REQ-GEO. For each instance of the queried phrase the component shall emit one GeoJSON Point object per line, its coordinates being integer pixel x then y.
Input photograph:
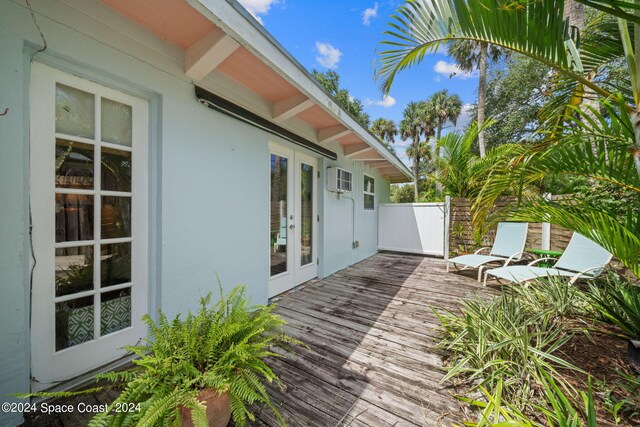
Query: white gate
{"type": "Point", "coordinates": [421, 228]}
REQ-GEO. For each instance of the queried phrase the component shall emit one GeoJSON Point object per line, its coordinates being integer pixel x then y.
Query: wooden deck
{"type": "Point", "coordinates": [371, 332]}
{"type": "Point", "coordinates": [371, 359]}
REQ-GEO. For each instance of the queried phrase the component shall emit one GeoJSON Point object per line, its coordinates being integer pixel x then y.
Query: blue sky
{"type": "Point", "coordinates": [344, 36]}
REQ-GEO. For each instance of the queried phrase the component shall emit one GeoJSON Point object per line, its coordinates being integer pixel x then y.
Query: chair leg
{"type": "Point", "coordinates": [447, 266]}
{"type": "Point", "coordinates": [480, 273]}
{"type": "Point", "coordinates": [486, 276]}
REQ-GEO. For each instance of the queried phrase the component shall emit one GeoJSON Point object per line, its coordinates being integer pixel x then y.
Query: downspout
{"type": "Point", "coordinates": [354, 243]}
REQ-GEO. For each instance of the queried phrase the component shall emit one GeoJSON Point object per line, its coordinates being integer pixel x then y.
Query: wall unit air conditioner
{"type": "Point", "coordinates": [339, 180]}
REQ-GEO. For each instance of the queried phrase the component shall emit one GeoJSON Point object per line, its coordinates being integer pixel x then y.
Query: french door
{"type": "Point", "coordinates": [89, 214]}
{"type": "Point", "coordinates": [293, 219]}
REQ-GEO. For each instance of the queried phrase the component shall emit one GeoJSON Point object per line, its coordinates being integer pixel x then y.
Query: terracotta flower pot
{"type": "Point", "coordinates": [218, 409]}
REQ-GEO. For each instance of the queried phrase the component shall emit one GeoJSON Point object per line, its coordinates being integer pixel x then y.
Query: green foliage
{"type": "Point", "coordinates": [461, 171]}
{"type": "Point", "coordinates": [560, 410]}
{"type": "Point", "coordinates": [594, 147]}
{"type": "Point", "coordinates": [499, 339]}
{"type": "Point", "coordinates": [618, 303]}
{"type": "Point", "coordinates": [330, 80]}
{"type": "Point", "coordinates": [402, 194]}
{"type": "Point", "coordinates": [385, 129]}
{"type": "Point", "coordinates": [222, 347]}
{"type": "Point", "coordinates": [514, 96]}
{"type": "Point", "coordinates": [551, 295]}
{"type": "Point", "coordinates": [508, 348]}
{"type": "Point", "coordinates": [445, 108]}
{"type": "Point", "coordinates": [621, 397]}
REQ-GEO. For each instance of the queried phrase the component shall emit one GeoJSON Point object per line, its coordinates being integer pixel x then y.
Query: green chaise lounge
{"type": "Point", "coordinates": [508, 246]}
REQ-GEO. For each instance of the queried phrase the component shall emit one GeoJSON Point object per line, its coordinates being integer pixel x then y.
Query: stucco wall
{"type": "Point", "coordinates": [208, 174]}
{"type": "Point", "coordinates": [337, 251]}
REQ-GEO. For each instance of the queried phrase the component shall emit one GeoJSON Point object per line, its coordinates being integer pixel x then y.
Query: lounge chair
{"type": "Point", "coordinates": [281, 237]}
{"type": "Point", "coordinates": [583, 259]}
{"type": "Point", "coordinates": [507, 246]}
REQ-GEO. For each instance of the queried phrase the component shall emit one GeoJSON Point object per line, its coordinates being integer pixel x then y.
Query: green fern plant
{"type": "Point", "coordinates": [222, 347]}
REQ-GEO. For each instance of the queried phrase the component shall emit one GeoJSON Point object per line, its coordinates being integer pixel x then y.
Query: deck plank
{"type": "Point", "coordinates": [372, 337]}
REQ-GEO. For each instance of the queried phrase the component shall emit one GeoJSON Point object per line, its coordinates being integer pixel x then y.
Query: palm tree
{"type": "Point", "coordinates": [462, 173]}
{"type": "Point", "coordinates": [470, 55]}
{"type": "Point", "coordinates": [416, 122]}
{"type": "Point", "coordinates": [446, 108]}
{"type": "Point", "coordinates": [534, 30]}
{"type": "Point", "coordinates": [386, 130]}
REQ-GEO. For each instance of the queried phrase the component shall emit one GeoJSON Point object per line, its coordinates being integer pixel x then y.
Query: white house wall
{"type": "Point", "coordinates": [208, 173]}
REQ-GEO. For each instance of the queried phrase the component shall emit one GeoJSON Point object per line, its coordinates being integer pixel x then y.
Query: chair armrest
{"type": "Point", "coordinates": [539, 260]}
{"type": "Point", "coordinates": [480, 250]}
{"type": "Point", "coordinates": [516, 256]}
{"type": "Point", "coordinates": [584, 272]}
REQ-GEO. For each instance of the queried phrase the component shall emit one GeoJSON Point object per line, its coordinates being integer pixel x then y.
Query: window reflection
{"type": "Point", "coordinates": [75, 112]}
{"type": "Point", "coordinates": [74, 217]}
{"type": "Point", "coordinates": [115, 264]}
{"type": "Point", "coordinates": [74, 270]}
{"type": "Point", "coordinates": [278, 234]}
{"type": "Point", "coordinates": [116, 217]}
{"type": "Point", "coordinates": [306, 210]}
{"type": "Point", "coordinates": [74, 164]}
{"type": "Point", "coordinates": [116, 170]}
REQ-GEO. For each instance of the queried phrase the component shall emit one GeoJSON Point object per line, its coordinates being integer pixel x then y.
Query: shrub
{"type": "Point", "coordinates": [499, 340]}
{"type": "Point", "coordinates": [618, 302]}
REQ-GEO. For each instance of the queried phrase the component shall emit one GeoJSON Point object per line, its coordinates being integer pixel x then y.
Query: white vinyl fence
{"type": "Point", "coordinates": [420, 228]}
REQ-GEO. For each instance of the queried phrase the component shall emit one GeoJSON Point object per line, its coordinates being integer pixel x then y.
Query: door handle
{"type": "Point", "coordinates": [291, 227]}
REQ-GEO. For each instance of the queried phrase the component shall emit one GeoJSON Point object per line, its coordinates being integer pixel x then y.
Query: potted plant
{"type": "Point", "coordinates": [201, 370]}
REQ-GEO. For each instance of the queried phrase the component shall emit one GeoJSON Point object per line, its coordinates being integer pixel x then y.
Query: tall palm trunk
{"type": "Point", "coordinates": [436, 156]}
{"type": "Point", "coordinates": [416, 162]}
{"type": "Point", "coordinates": [482, 95]}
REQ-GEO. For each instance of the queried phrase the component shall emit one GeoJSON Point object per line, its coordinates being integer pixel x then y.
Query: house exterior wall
{"type": "Point", "coordinates": [208, 174]}
{"type": "Point", "coordinates": [336, 250]}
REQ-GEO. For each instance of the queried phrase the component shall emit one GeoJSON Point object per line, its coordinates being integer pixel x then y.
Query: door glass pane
{"type": "Point", "coordinates": [115, 264]}
{"type": "Point", "coordinates": [306, 214]}
{"type": "Point", "coordinates": [278, 215]}
{"type": "Point", "coordinates": [115, 309]}
{"type": "Point", "coordinates": [74, 322]}
{"type": "Point", "coordinates": [116, 122]}
{"type": "Point", "coordinates": [74, 217]}
{"type": "Point", "coordinates": [116, 170]}
{"type": "Point", "coordinates": [75, 111]}
{"type": "Point", "coordinates": [116, 217]}
{"type": "Point", "coordinates": [74, 270]}
{"type": "Point", "coordinates": [74, 164]}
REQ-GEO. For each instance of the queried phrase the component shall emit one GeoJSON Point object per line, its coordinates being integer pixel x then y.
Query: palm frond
{"type": "Point", "coordinates": [617, 235]}
{"type": "Point", "coordinates": [533, 28]}
{"type": "Point", "coordinates": [616, 8]}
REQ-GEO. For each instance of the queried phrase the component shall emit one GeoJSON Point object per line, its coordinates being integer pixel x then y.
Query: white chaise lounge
{"type": "Point", "coordinates": [583, 259]}
{"type": "Point", "coordinates": [508, 246]}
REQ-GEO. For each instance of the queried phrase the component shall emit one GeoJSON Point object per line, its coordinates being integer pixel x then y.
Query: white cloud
{"type": "Point", "coordinates": [452, 70]}
{"type": "Point", "coordinates": [328, 56]}
{"type": "Point", "coordinates": [369, 14]}
{"type": "Point", "coordinates": [386, 101]}
{"type": "Point", "coordinates": [466, 117]}
{"type": "Point", "coordinates": [258, 7]}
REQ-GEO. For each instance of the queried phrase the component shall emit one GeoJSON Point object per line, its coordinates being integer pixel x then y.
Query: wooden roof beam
{"type": "Point", "coordinates": [287, 108]}
{"type": "Point", "coordinates": [206, 54]}
{"type": "Point", "coordinates": [378, 164]}
{"type": "Point", "coordinates": [355, 149]}
{"type": "Point", "coordinates": [331, 134]}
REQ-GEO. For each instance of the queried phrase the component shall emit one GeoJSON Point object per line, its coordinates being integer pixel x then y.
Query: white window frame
{"type": "Point", "coordinates": [368, 193]}
{"type": "Point", "coordinates": [50, 365]}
